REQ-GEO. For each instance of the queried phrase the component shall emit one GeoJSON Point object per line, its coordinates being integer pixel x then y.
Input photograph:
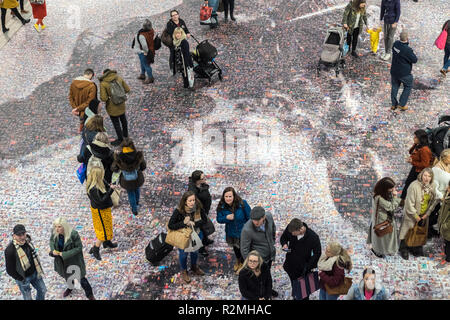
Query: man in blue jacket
{"type": "Point", "coordinates": [403, 58]}
{"type": "Point", "coordinates": [390, 12]}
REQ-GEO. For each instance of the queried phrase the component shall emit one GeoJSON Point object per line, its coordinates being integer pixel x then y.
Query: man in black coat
{"type": "Point", "coordinates": [403, 58]}
{"type": "Point", "coordinates": [303, 250]}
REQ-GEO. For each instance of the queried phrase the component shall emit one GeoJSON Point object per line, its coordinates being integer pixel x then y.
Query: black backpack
{"type": "Point", "coordinates": [439, 137]}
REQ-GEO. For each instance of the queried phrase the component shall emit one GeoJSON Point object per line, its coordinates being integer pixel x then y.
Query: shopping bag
{"type": "Point", "coordinates": [304, 286]}
{"type": "Point", "coordinates": [195, 242]}
{"type": "Point", "coordinates": [205, 13]}
{"type": "Point", "coordinates": [417, 236]}
{"type": "Point", "coordinates": [81, 173]}
{"type": "Point", "coordinates": [190, 72]}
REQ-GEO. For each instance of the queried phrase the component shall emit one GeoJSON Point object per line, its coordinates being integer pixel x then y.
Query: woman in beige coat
{"type": "Point", "coordinates": [418, 206]}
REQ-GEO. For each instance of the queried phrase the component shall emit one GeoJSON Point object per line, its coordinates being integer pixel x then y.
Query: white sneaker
{"type": "Point", "coordinates": [386, 57]}
{"type": "Point", "coordinates": [382, 56]}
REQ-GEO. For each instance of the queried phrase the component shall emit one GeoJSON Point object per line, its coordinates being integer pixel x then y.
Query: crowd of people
{"type": "Point", "coordinates": [108, 167]}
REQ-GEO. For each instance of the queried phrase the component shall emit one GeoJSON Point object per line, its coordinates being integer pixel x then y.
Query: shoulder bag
{"type": "Point", "coordinates": [340, 289]}
{"type": "Point", "coordinates": [384, 227]}
{"type": "Point", "coordinates": [179, 238]}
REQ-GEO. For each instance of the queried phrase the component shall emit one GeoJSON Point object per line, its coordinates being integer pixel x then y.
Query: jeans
{"type": "Point", "coordinates": [145, 67]}
{"type": "Point", "coordinates": [16, 12]}
{"type": "Point", "coordinates": [115, 121]}
{"type": "Point", "coordinates": [37, 283]}
{"type": "Point", "coordinates": [407, 87]}
{"type": "Point", "coordinates": [214, 4]}
{"type": "Point", "coordinates": [133, 198]}
{"type": "Point", "coordinates": [389, 33]}
{"type": "Point", "coordinates": [352, 39]}
{"type": "Point", "coordinates": [323, 295]}
{"type": "Point", "coordinates": [446, 57]}
{"type": "Point", "coordinates": [182, 256]}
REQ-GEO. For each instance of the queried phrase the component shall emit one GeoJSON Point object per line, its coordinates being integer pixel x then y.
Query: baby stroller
{"type": "Point", "coordinates": [334, 49]}
{"type": "Point", "coordinates": [205, 66]}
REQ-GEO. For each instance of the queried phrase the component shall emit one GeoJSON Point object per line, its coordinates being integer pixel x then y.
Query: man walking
{"type": "Point", "coordinates": [23, 265]}
{"type": "Point", "coordinates": [303, 251]}
{"type": "Point", "coordinates": [402, 61]}
{"type": "Point", "coordinates": [390, 12]}
{"type": "Point", "coordinates": [258, 234]}
{"type": "Point", "coordinates": [144, 46]}
{"type": "Point", "coordinates": [113, 90]}
{"type": "Point", "coordinates": [82, 91]}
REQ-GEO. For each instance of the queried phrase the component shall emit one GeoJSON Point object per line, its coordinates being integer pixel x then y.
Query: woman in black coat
{"type": "Point", "coordinates": [100, 149]}
{"type": "Point", "coordinates": [255, 281]}
{"type": "Point", "coordinates": [182, 59]}
{"type": "Point", "coordinates": [132, 164]}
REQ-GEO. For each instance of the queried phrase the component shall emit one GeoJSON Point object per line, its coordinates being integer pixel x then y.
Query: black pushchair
{"type": "Point", "coordinates": [205, 66]}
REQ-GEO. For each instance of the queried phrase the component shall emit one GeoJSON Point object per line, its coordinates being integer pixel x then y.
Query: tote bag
{"type": "Point", "coordinates": [305, 286]}
{"type": "Point", "coordinates": [442, 39]}
{"type": "Point", "coordinates": [195, 242]}
{"type": "Point", "coordinates": [179, 238]}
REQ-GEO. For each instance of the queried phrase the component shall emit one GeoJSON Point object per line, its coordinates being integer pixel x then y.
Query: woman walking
{"type": "Point", "coordinates": [10, 4]}
{"type": "Point", "coordinates": [332, 265]}
{"type": "Point", "coordinates": [255, 280]}
{"type": "Point", "coordinates": [132, 165]}
{"type": "Point", "coordinates": [100, 196]}
{"type": "Point", "coordinates": [67, 249]}
{"type": "Point", "coordinates": [418, 205]}
{"type": "Point", "coordinates": [182, 58]}
{"type": "Point", "coordinates": [39, 13]}
{"type": "Point", "coordinates": [234, 212]}
{"type": "Point", "coordinates": [353, 19]}
{"type": "Point", "coordinates": [188, 214]}
{"type": "Point", "coordinates": [384, 204]}
{"type": "Point", "coordinates": [444, 69]}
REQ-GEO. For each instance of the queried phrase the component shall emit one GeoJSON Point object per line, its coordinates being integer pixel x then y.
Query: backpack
{"type": "Point", "coordinates": [93, 162]}
{"type": "Point", "coordinates": [118, 95]}
{"type": "Point", "coordinates": [130, 175]}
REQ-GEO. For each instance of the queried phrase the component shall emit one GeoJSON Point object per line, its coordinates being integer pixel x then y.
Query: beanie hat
{"type": "Point", "coordinates": [257, 213]}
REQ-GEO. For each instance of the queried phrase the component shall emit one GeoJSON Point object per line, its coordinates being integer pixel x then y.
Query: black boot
{"type": "Point", "coordinates": [96, 252]}
{"type": "Point", "coordinates": [225, 15]}
{"type": "Point", "coordinates": [203, 252]}
{"type": "Point", "coordinates": [403, 250]}
{"type": "Point", "coordinates": [109, 244]}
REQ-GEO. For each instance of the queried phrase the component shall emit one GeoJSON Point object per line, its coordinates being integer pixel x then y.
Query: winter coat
{"type": "Point", "coordinates": [9, 4]}
{"type": "Point", "coordinates": [105, 154]}
{"type": "Point", "coordinates": [349, 18]}
{"type": "Point", "coordinates": [177, 220]}
{"type": "Point", "coordinates": [129, 162]}
{"type": "Point", "coordinates": [387, 244]}
{"type": "Point", "coordinates": [441, 179]}
{"type": "Point", "coordinates": [444, 219]}
{"type": "Point", "coordinates": [182, 58]}
{"type": "Point", "coordinates": [202, 194]}
{"type": "Point", "coordinates": [390, 11]}
{"type": "Point", "coordinates": [105, 93]}
{"type": "Point", "coordinates": [171, 26]}
{"type": "Point", "coordinates": [356, 292]}
{"type": "Point", "coordinates": [72, 255]}
{"type": "Point", "coordinates": [253, 238]}
{"type": "Point", "coordinates": [233, 228]}
{"type": "Point", "coordinates": [332, 278]}
{"type": "Point", "coordinates": [403, 58]}
{"type": "Point", "coordinates": [82, 92]}
{"type": "Point", "coordinates": [39, 10]}
{"type": "Point", "coordinates": [421, 158]}
{"type": "Point", "coordinates": [304, 253]}
{"type": "Point", "coordinates": [413, 201]}
{"type": "Point", "coordinates": [100, 200]}
{"type": "Point", "coordinates": [12, 262]}
{"type": "Point", "coordinates": [253, 287]}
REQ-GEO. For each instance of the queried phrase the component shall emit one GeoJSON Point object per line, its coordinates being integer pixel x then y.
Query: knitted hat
{"type": "Point", "coordinates": [257, 213]}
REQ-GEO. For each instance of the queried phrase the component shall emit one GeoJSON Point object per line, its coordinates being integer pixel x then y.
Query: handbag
{"type": "Point", "coordinates": [442, 39]}
{"type": "Point", "coordinates": [179, 238]}
{"type": "Point", "coordinates": [195, 242]}
{"type": "Point", "coordinates": [205, 14]}
{"type": "Point", "coordinates": [208, 228]}
{"type": "Point", "coordinates": [384, 227]}
{"type": "Point", "coordinates": [166, 39]}
{"type": "Point", "coordinates": [340, 289]}
{"type": "Point", "coordinates": [115, 197]}
{"type": "Point", "coordinates": [157, 43]}
{"type": "Point", "coordinates": [81, 173]}
{"type": "Point", "coordinates": [304, 286]}
{"type": "Point", "coordinates": [417, 236]}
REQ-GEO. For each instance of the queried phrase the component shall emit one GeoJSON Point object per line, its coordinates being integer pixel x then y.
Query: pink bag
{"type": "Point", "coordinates": [442, 39]}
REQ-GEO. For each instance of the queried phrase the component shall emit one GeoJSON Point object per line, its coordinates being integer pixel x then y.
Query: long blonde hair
{"type": "Point", "coordinates": [177, 42]}
{"type": "Point", "coordinates": [344, 259]}
{"type": "Point", "coordinates": [63, 223]}
{"type": "Point", "coordinates": [260, 261]}
{"type": "Point", "coordinates": [439, 162]}
{"type": "Point", "coordinates": [95, 179]}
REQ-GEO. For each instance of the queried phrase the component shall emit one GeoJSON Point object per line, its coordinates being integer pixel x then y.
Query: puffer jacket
{"type": "Point", "coordinates": [129, 162]}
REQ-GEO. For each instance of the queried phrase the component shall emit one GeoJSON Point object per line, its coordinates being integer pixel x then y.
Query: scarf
{"type": "Point", "coordinates": [176, 42]}
{"type": "Point", "coordinates": [426, 188]}
{"type": "Point", "coordinates": [23, 258]}
{"type": "Point", "coordinates": [325, 263]}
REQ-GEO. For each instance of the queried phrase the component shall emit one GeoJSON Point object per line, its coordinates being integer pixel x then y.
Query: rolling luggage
{"type": "Point", "coordinates": [157, 249]}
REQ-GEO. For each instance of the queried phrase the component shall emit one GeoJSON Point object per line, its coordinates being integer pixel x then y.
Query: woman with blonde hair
{"type": "Point", "coordinates": [332, 265]}
{"type": "Point", "coordinates": [101, 204]}
{"type": "Point", "coordinates": [67, 249]}
{"type": "Point", "coordinates": [441, 178]}
{"type": "Point", "coordinates": [182, 58]}
{"type": "Point", "coordinates": [255, 281]}
{"type": "Point", "coordinates": [418, 205]}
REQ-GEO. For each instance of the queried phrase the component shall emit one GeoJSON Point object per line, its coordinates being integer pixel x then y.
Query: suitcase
{"type": "Point", "coordinates": [157, 249]}
{"type": "Point", "coordinates": [206, 51]}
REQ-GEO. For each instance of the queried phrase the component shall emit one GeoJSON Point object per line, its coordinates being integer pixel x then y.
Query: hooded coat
{"type": "Point", "coordinates": [253, 238]}
{"type": "Point", "coordinates": [202, 193]}
{"type": "Point", "coordinates": [72, 255]}
{"type": "Point", "coordinates": [129, 162]}
{"type": "Point", "coordinates": [82, 92]}
{"type": "Point", "coordinates": [105, 93]}
{"type": "Point", "coordinates": [304, 253]}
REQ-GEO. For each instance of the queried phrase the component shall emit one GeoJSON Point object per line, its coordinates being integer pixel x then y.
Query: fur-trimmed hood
{"type": "Point", "coordinates": [128, 161]}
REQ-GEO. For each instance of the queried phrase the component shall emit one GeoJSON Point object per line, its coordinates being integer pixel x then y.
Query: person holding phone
{"type": "Point", "coordinates": [384, 204]}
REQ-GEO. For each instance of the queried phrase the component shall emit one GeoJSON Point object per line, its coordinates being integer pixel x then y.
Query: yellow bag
{"type": "Point", "coordinates": [179, 238]}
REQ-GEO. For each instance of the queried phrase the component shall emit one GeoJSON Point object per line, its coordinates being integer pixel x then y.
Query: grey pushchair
{"type": "Point", "coordinates": [334, 49]}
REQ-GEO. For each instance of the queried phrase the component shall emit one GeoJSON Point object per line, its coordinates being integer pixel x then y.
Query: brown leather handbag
{"type": "Point", "coordinates": [384, 227]}
{"type": "Point", "coordinates": [340, 289]}
{"type": "Point", "coordinates": [179, 238]}
{"type": "Point", "coordinates": [417, 236]}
